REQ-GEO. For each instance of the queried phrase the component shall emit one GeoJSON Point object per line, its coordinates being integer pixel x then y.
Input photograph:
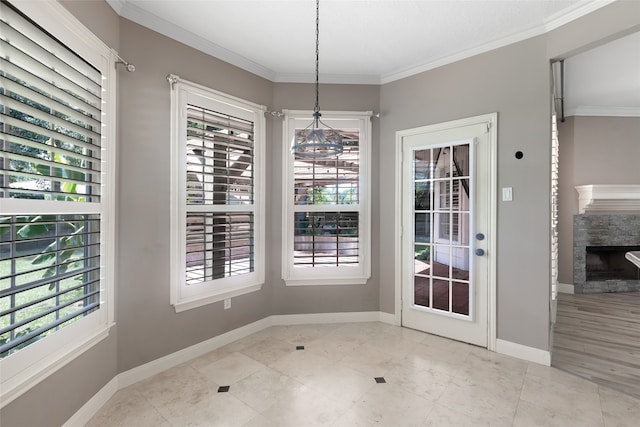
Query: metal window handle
{"type": "Point", "coordinates": [479, 252]}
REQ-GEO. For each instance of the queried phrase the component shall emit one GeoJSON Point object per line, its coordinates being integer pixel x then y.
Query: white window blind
{"type": "Point", "coordinates": [50, 153]}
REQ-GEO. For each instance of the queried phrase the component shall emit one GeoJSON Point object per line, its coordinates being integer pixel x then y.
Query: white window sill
{"type": "Point", "coordinates": [188, 304]}
{"type": "Point", "coordinates": [14, 387]}
{"type": "Point", "coordinates": [327, 282]}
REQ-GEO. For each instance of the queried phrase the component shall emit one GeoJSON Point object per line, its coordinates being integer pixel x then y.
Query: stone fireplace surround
{"type": "Point", "coordinates": [609, 217]}
{"type": "Point", "coordinates": [603, 230]}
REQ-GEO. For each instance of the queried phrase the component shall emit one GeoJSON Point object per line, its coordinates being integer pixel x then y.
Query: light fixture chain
{"type": "Point", "coordinates": [318, 139]}
{"type": "Point", "coordinates": [317, 109]}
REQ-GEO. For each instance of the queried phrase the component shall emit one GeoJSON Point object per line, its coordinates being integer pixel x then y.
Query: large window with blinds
{"type": "Point", "coordinates": [55, 153]}
{"type": "Point", "coordinates": [326, 225]}
{"type": "Point", "coordinates": [217, 185]}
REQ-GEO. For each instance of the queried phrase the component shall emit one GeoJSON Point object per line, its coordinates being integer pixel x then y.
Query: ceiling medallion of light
{"type": "Point", "coordinates": [317, 139]}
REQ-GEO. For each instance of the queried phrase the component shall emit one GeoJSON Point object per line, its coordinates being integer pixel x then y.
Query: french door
{"type": "Point", "coordinates": [447, 197]}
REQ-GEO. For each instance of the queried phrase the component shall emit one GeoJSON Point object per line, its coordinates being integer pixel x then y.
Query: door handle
{"type": "Point", "coordinates": [480, 236]}
{"type": "Point", "coordinates": [479, 252]}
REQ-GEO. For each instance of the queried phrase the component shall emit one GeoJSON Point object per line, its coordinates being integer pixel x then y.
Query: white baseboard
{"type": "Point", "coordinates": [565, 288]}
{"type": "Point", "coordinates": [389, 318]}
{"type": "Point", "coordinates": [154, 367]}
{"type": "Point", "coordinates": [94, 404]}
{"type": "Point", "coordinates": [520, 351]}
{"type": "Point", "coordinates": [319, 318]}
{"type": "Point", "coordinates": [125, 379]}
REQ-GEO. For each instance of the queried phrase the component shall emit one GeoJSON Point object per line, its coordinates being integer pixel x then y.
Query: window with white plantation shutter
{"type": "Point", "coordinates": [219, 173]}
{"type": "Point", "coordinates": [55, 157]}
{"type": "Point", "coordinates": [217, 182]}
{"type": "Point", "coordinates": [326, 227]}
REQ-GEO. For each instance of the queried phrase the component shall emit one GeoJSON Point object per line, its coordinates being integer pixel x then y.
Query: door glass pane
{"type": "Point", "coordinates": [460, 263]}
{"type": "Point", "coordinates": [459, 195]}
{"type": "Point", "coordinates": [441, 228]}
{"type": "Point", "coordinates": [440, 260]}
{"type": "Point", "coordinates": [422, 228]}
{"type": "Point", "coordinates": [422, 164]}
{"type": "Point", "coordinates": [422, 294]}
{"type": "Point", "coordinates": [422, 199]}
{"type": "Point", "coordinates": [461, 159]}
{"type": "Point", "coordinates": [441, 294]}
{"type": "Point", "coordinates": [460, 297]}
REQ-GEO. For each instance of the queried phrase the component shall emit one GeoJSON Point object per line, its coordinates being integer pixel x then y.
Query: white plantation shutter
{"type": "Point", "coordinates": [217, 212]}
{"type": "Point", "coordinates": [326, 228]}
{"type": "Point", "coordinates": [219, 167]}
{"type": "Point", "coordinates": [555, 183]}
{"type": "Point", "coordinates": [51, 117]}
{"type": "Point", "coordinates": [51, 184]}
{"type": "Point", "coordinates": [326, 194]}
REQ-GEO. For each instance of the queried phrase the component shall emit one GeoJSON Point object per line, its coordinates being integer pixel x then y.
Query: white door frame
{"type": "Point", "coordinates": [492, 121]}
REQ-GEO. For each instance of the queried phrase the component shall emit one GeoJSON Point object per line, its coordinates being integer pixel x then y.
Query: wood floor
{"type": "Point", "coordinates": [597, 336]}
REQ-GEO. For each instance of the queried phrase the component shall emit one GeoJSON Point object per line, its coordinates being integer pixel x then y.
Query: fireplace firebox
{"type": "Point", "coordinates": [609, 263]}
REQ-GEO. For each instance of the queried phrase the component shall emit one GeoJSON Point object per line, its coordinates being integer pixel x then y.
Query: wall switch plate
{"type": "Point", "coordinates": [507, 194]}
{"type": "Point", "coordinates": [227, 303]}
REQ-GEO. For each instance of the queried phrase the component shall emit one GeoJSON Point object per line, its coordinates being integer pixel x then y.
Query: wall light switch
{"type": "Point", "coordinates": [507, 194]}
{"type": "Point", "coordinates": [227, 303]}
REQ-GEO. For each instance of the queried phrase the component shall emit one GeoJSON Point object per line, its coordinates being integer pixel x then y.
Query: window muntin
{"type": "Point", "coordinates": [217, 213]}
{"type": "Point", "coordinates": [326, 227]}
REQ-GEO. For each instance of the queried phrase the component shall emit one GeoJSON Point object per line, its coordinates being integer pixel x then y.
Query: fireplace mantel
{"type": "Point", "coordinates": [608, 198]}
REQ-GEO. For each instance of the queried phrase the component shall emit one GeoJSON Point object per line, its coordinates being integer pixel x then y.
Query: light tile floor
{"type": "Point", "coordinates": [429, 381]}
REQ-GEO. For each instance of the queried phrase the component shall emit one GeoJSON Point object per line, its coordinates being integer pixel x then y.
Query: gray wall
{"type": "Point", "coordinates": [319, 299]}
{"type": "Point", "coordinates": [593, 150]}
{"type": "Point", "coordinates": [514, 81]}
{"type": "Point", "coordinates": [149, 327]}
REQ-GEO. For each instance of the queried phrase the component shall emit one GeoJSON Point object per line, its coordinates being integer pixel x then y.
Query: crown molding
{"type": "Point", "coordinates": [576, 11]}
{"type": "Point", "coordinates": [459, 56]}
{"type": "Point", "coordinates": [356, 79]}
{"type": "Point", "coordinates": [550, 24]}
{"type": "Point", "coordinates": [138, 15]}
{"type": "Point", "coordinates": [599, 111]}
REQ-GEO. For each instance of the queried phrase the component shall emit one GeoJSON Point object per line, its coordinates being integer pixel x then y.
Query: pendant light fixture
{"type": "Point", "coordinates": [317, 139]}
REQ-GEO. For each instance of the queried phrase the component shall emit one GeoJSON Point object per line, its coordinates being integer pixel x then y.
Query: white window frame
{"type": "Point", "coordinates": [340, 275]}
{"type": "Point", "coordinates": [183, 296]}
{"type": "Point", "coordinates": [27, 367]}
